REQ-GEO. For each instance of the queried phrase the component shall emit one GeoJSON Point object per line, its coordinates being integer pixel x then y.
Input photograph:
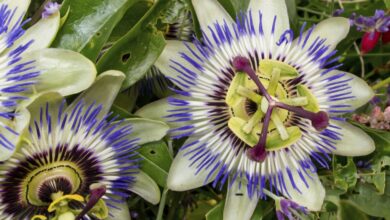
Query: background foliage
{"type": "Point", "coordinates": [128, 35]}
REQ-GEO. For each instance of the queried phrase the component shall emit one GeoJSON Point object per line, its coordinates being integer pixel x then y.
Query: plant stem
{"type": "Point", "coordinates": [381, 84]}
{"type": "Point", "coordinates": [162, 204]}
{"type": "Point", "coordinates": [363, 71]}
{"type": "Point", "coordinates": [367, 55]}
{"type": "Point", "coordinates": [313, 11]}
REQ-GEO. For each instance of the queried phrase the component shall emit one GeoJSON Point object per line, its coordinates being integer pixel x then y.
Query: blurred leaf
{"type": "Point", "coordinates": [345, 176]}
{"type": "Point", "coordinates": [136, 51]}
{"type": "Point", "coordinates": [176, 8]}
{"type": "Point", "coordinates": [367, 199]}
{"type": "Point", "coordinates": [89, 24]}
{"type": "Point", "coordinates": [378, 177]}
{"type": "Point", "coordinates": [263, 209]}
{"type": "Point", "coordinates": [156, 161]}
{"type": "Point", "coordinates": [387, 3]}
{"type": "Point", "coordinates": [233, 7]}
{"type": "Point", "coordinates": [292, 15]}
{"type": "Point", "coordinates": [202, 209]}
{"type": "Point", "coordinates": [350, 211]}
{"type": "Point", "coordinates": [380, 137]}
{"type": "Point", "coordinates": [216, 213]}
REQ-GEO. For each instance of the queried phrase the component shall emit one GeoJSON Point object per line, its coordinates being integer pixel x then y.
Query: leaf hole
{"type": "Point", "coordinates": [125, 57]}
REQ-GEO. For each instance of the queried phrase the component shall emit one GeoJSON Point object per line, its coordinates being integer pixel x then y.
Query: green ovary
{"type": "Point", "coordinates": [247, 124]}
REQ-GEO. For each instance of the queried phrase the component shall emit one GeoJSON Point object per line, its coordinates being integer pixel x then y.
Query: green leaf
{"type": "Point", "coordinates": [380, 137]}
{"type": "Point", "coordinates": [131, 17]}
{"type": "Point", "coordinates": [136, 51]}
{"type": "Point", "coordinates": [156, 161]}
{"type": "Point", "coordinates": [121, 112]}
{"type": "Point", "coordinates": [216, 213]}
{"type": "Point", "coordinates": [349, 211]}
{"type": "Point", "coordinates": [234, 7]}
{"type": "Point", "coordinates": [378, 176]}
{"type": "Point", "coordinates": [345, 176]}
{"type": "Point", "coordinates": [387, 3]}
{"type": "Point", "coordinates": [89, 24]}
{"type": "Point", "coordinates": [367, 199]}
{"type": "Point", "coordinates": [292, 14]}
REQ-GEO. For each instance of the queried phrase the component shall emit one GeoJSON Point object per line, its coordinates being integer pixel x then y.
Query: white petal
{"type": "Point", "coordinates": [158, 110]}
{"type": "Point", "coordinates": [171, 53]}
{"type": "Point", "coordinates": [146, 130]}
{"type": "Point", "coordinates": [354, 141]}
{"type": "Point", "coordinates": [42, 33]}
{"type": "Point", "coordinates": [210, 12]}
{"type": "Point", "coordinates": [145, 187]}
{"type": "Point", "coordinates": [269, 10]}
{"type": "Point", "coordinates": [18, 125]}
{"type": "Point", "coordinates": [333, 30]}
{"type": "Point", "coordinates": [103, 91]}
{"type": "Point", "coordinates": [182, 176]}
{"type": "Point", "coordinates": [312, 196]}
{"type": "Point", "coordinates": [361, 91]}
{"type": "Point", "coordinates": [358, 88]}
{"type": "Point", "coordinates": [120, 212]}
{"type": "Point", "coordinates": [39, 101]}
{"type": "Point", "coordinates": [62, 71]}
{"type": "Point", "coordinates": [21, 7]}
{"type": "Point", "coordinates": [238, 205]}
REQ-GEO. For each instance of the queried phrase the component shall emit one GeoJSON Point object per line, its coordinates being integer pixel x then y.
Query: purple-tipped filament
{"type": "Point", "coordinates": [319, 120]}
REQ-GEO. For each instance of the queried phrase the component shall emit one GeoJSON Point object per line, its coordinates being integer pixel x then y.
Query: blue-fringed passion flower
{"type": "Point", "coordinates": [77, 161]}
{"type": "Point", "coordinates": [260, 109]}
{"type": "Point", "coordinates": [29, 68]}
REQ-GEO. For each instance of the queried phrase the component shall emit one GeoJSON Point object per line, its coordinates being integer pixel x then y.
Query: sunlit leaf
{"type": "Point", "coordinates": [136, 51]}
{"type": "Point", "coordinates": [89, 24]}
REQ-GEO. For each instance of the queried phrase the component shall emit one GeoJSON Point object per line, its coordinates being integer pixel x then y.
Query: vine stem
{"type": "Point", "coordinates": [367, 54]}
{"type": "Point", "coordinates": [381, 84]}
{"type": "Point", "coordinates": [162, 204]}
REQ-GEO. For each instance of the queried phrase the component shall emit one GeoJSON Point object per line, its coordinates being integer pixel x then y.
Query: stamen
{"type": "Point", "coordinates": [273, 84]}
{"type": "Point", "coordinates": [242, 64]}
{"type": "Point", "coordinates": [256, 118]}
{"type": "Point", "coordinates": [258, 153]}
{"type": "Point", "coordinates": [319, 120]}
{"type": "Point", "coordinates": [97, 191]}
{"type": "Point", "coordinates": [280, 126]}
{"type": "Point", "coordinates": [247, 93]}
{"type": "Point", "coordinates": [295, 101]}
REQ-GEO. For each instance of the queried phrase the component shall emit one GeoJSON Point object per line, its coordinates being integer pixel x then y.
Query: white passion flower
{"type": "Point", "coordinates": [260, 109]}
{"type": "Point", "coordinates": [28, 67]}
{"type": "Point", "coordinates": [78, 160]}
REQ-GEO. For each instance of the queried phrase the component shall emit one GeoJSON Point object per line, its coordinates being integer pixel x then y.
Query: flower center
{"type": "Point", "coordinates": [267, 128]}
{"type": "Point", "coordinates": [43, 182]}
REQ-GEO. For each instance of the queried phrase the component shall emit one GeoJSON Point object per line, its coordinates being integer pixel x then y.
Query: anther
{"type": "Point", "coordinates": [319, 120]}
{"type": "Point", "coordinates": [243, 64]}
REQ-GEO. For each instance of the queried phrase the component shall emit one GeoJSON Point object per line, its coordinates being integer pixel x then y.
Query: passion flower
{"type": "Point", "coordinates": [77, 161]}
{"type": "Point", "coordinates": [259, 108]}
{"type": "Point", "coordinates": [29, 68]}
